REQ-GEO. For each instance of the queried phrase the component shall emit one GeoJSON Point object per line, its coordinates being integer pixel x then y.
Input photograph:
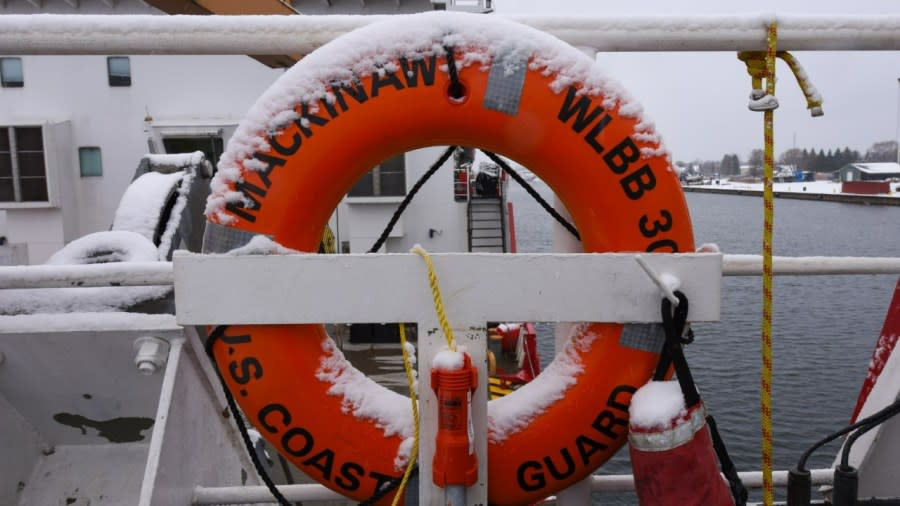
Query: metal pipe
{"type": "Point", "coordinates": [260, 494]}
{"type": "Point", "coordinates": [455, 495]}
{"type": "Point", "coordinates": [148, 485]}
{"type": "Point", "coordinates": [751, 479]}
{"type": "Point", "coordinates": [751, 265]}
{"type": "Point", "coordinates": [149, 34]}
{"type": "Point", "coordinates": [160, 273]}
{"type": "Point", "coordinates": [605, 483]}
{"type": "Point", "coordinates": [70, 276]}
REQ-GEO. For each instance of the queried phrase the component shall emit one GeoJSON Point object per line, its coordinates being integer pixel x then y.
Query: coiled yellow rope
{"type": "Point", "coordinates": [768, 224]}
{"type": "Point", "coordinates": [757, 67]}
{"type": "Point", "coordinates": [436, 295]}
{"type": "Point", "coordinates": [414, 454]}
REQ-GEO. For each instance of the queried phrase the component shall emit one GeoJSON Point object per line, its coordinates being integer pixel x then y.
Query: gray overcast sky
{"type": "Point", "coordinates": [699, 100]}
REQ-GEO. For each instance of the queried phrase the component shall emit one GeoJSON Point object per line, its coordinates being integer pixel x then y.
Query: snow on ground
{"type": "Point", "coordinates": [819, 187]}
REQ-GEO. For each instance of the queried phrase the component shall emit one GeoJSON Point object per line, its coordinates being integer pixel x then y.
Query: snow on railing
{"type": "Point", "coordinates": [160, 273]}
{"type": "Point", "coordinates": [149, 34]}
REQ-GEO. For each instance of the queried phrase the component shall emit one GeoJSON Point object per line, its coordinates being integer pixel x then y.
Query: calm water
{"type": "Point", "coordinates": [824, 327]}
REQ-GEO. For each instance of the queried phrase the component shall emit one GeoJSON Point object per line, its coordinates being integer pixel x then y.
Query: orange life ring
{"type": "Point", "coordinates": [383, 90]}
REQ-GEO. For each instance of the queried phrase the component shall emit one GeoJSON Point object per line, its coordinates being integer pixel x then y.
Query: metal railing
{"type": "Point", "coordinates": [105, 35]}
{"type": "Point", "coordinates": [161, 273]}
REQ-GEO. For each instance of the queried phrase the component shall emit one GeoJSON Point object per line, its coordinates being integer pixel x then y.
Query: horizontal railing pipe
{"type": "Point", "coordinates": [599, 483]}
{"type": "Point", "coordinates": [151, 34]}
{"type": "Point", "coordinates": [751, 479]}
{"type": "Point", "coordinates": [77, 276]}
{"type": "Point", "coordinates": [160, 273]}
{"type": "Point", "coordinates": [260, 494]}
{"type": "Point", "coordinates": [751, 265]}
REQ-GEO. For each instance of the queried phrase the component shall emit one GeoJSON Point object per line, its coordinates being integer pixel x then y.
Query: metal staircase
{"type": "Point", "coordinates": [487, 224]}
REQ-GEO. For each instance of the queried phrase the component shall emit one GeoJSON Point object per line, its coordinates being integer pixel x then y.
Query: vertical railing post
{"type": "Point", "coordinates": [472, 336]}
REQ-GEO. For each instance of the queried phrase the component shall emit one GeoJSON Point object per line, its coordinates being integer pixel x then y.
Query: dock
{"type": "Point", "coordinates": [848, 198]}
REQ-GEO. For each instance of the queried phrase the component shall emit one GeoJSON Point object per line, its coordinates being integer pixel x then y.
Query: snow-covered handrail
{"type": "Point", "coordinates": [149, 34]}
{"type": "Point", "coordinates": [160, 273]}
{"type": "Point", "coordinates": [77, 276]}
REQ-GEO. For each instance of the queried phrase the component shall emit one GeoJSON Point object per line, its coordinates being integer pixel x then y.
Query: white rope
{"type": "Point", "coordinates": [666, 283]}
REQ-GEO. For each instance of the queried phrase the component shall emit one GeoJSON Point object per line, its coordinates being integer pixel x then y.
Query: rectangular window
{"type": "Point", "coordinates": [90, 162]}
{"type": "Point", "coordinates": [212, 146]}
{"type": "Point", "coordinates": [23, 175]}
{"type": "Point", "coordinates": [11, 75]}
{"type": "Point", "coordinates": [119, 69]}
{"type": "Point", "coordinates": [388, 179]}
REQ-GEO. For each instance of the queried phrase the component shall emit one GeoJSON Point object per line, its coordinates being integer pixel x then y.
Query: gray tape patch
{"type": "Point", "coordinates": [221, 239]}
{"type": "Point", "coordinates": [643, 336]}
{"type": "Point", "coordinates": [505, 81]}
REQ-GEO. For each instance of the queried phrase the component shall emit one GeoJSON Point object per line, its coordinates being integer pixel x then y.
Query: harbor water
{"type": "Point", "coordinates": [824, 331]}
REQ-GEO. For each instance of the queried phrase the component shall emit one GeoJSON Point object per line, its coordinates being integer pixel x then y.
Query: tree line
{"type": "Point", "coordinates": [803, 159]}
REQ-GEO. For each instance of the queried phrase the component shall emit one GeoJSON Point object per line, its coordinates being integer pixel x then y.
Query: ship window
{"type": "Point", "coordinates": [119, 68]}
{"type": "Point", "coordinates": [23, 175]}
{"type": "Point", "coordinates": [388, 179]}
{"type": "Point", "coordinates": [211, 145]}
{"type": "Point", "coordinates": [11, 75]}
{"type": "Point", "coordinates": [89, 161]}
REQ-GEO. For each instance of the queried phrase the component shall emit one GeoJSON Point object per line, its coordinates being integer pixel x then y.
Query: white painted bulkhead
{"type": "Point", "coordinates": [433, 209]}
{"type": "Point", "coordinates": [178, 96]}
{"type": "Point", "coordinates": [212, 92]}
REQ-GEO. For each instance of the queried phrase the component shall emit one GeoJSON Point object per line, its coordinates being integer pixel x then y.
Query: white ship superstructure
{"type": "Point", "coordinates": [84, 122]}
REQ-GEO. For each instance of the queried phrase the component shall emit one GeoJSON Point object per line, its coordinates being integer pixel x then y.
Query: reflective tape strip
{"type": "Point", "coordinates": [504, 89]}
{"type": "Point", "coordinates": [643, 336]}
{"type": "Point", "coordinates": [668, 439]}
{"type": "Point", "coordinates": [221, 239]}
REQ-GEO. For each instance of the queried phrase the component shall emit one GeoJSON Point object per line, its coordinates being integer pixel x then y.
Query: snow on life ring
{"type": "Point", "coordinates": [383, 90]}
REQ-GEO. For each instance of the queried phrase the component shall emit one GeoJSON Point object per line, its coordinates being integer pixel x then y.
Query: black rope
{"type": "Point", "coordinates": [456, 90]}
{"type": "Point", "coordinates": [214, 336]}
{"type": "Point", "coordinates": [801, 464]}
{"type": "Point", "coordinates": [738, 490]}
{"type": "Point", "coordinates": [534, 194]}
{"type": "Point", "coordinates": [872, 422]}
{"type": "Point", "coordinates": [388, 487]}
{"type": "Point", "coordinates": [673, 353]}
{"type": "Point", "coordinates": [409, 196]}
{"type": "Point", "coordinates": [451, 65]}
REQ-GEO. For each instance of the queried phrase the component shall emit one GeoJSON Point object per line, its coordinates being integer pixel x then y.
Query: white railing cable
{"type": "Point", "coordinates": [160, 273]}
{"type": "Point", "coordinates": [150, 34]}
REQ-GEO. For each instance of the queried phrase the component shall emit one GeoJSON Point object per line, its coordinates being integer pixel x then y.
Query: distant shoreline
{"type": "Point", "coordinates": [848, 198]}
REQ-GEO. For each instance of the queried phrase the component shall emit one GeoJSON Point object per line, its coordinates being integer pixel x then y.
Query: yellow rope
{"type": "Point", "coordinates": [414, 454]}
{"type": "Point", "coordinates": [451, 343]}
{"type": "Point", "coordinates": [436, 295]}
{"type": "Point", "coordinates": [813, 100]}
{"type": "Point", "coordinates": [757, 67]}
{"type": "Point", "coordinates": [768, 223]}
{"type": "Point", "coordinates": [327, 244]}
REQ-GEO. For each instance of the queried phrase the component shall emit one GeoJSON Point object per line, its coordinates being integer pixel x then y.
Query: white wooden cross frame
{"type": "Point", "coordinates": [476, 288]}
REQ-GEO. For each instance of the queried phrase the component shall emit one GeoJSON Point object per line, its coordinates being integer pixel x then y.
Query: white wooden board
{"type": "Point", "coordinates": [274, 289]}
